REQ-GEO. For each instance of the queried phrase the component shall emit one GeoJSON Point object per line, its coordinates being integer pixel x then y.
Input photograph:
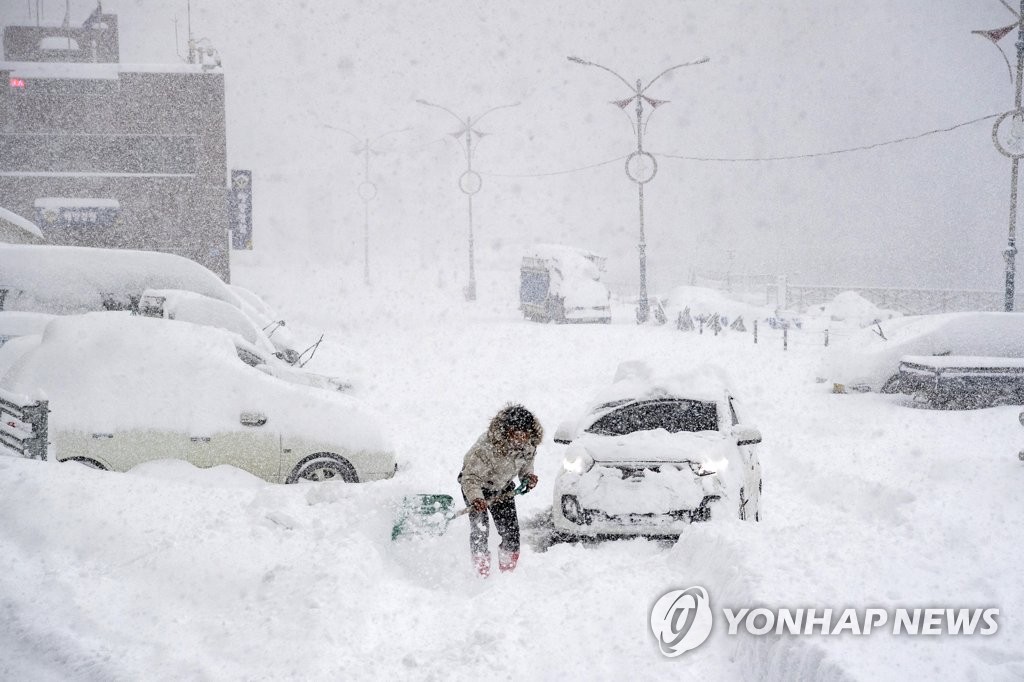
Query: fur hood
{"type": "Point", "coordinates": [514, 417]}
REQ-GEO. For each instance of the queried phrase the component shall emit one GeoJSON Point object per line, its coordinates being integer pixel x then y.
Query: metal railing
{"type": "Point", "coordinates": [24, 425]}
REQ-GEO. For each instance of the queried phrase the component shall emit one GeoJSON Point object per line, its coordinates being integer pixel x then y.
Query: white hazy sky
{"type": "Point", "coordinates": [791, 77]}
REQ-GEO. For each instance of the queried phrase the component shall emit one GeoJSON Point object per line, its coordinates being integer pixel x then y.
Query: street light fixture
{"type": "Point", "coordinates": [367, 189]}
{"type": "Point", "coordinates": [470, 181]}
{"type": "Point", "coordinates": [641, 166]}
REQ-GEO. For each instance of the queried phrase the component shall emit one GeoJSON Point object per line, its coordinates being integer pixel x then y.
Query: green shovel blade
{"type": "Point", "coordinates": [424, 514]}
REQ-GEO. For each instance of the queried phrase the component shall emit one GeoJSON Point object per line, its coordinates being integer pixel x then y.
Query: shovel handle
{"type": "Point", "coordinates": [521, 489]}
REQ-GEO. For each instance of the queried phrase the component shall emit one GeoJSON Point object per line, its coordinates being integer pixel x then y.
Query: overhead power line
{"type": "Point", "coordinates": [834, 152]}
{"type": "Point", "coordinates": [560, 172]}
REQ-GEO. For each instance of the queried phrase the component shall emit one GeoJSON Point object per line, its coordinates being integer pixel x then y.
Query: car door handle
{"type": "Point", "coordinates": [102, 435]}
{"type": "Point", "coordinates": [200, 439]}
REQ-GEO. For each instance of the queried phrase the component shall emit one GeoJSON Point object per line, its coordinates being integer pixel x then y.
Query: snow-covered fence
{"type": "Point", "coordinates": [775, 333]}
{"type": "Point", "coordinates": [23, 425]}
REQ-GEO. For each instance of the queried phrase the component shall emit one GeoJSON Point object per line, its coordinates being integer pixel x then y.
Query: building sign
{"type": "Point", "coordinates": [240, 209]}
{"type": "Point", "coordinates": [77, 213]}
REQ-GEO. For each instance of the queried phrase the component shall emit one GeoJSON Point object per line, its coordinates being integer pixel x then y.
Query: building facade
{"type": "Point", "coordinates": [104, 154]}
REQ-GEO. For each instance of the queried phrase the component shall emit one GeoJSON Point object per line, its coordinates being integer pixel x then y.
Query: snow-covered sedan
{"type": "Point", "coordinates": [653, 454]}
{"type": "Point", "coordinates": [127, 389]}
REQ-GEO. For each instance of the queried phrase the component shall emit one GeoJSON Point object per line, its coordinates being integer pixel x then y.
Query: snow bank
{"type": "Point", "coordinates": [853, 309]}
{"type": "Point", "coordinates": [707, 302]}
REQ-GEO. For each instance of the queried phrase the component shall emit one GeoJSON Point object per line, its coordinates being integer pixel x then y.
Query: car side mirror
{"type": "Point", "coordinates": [253, 419]}
{"type": "Point", "coordinates": [565, 432]}
{"type": "Point", "coordinates": [746, 435]}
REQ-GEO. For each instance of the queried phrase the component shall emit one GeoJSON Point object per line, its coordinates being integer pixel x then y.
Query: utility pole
{"type": "Point", "coordinates": [470, 181]}
{"type": "Point", "coordinates": [641, 166]}
{"type": "Point", "coordinates": [1009, 141]}
{"type": "Point", "coordinates": [367, 189]}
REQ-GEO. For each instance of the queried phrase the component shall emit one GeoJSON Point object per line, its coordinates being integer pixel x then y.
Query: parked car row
{"type": "Point", "coordinates": [145, 357]}
{"type": "Point", "coordinates": [177, 365]}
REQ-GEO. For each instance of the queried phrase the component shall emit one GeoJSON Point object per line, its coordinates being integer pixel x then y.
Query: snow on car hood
{"type": "Point", "coordinates": [656, 492]}
{"type": "Point", "coordinates": [709, 448]}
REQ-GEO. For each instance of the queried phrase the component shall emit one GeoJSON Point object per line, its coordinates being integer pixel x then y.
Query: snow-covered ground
{"type": "Point", "coordinates": [169, 572]}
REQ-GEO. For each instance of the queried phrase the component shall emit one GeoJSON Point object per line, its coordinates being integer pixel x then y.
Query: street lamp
{"type": "Point", "coordinates": [470, 181]}
{"type": "Point", "coordinates": [641, 166]}
{"type": "Point", "coordinates": [367, 190]}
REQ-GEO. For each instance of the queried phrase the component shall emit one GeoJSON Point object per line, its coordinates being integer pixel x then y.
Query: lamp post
{"type": "Point", "coordinates": [470, 181]}
{"type": "Point", "coordinates": [367, 189]}
{"type": "Point", "coordinates": [1009, 141]}
{"type": "Point", "coordinates": [641, 165]}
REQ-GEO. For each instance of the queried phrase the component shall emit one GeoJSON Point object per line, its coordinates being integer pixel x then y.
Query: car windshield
{"type": "Point", "coordinates": [672, 415]}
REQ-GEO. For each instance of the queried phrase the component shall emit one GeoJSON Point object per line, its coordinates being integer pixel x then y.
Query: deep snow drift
{"type": "Point", "coordinates": [169, 572]}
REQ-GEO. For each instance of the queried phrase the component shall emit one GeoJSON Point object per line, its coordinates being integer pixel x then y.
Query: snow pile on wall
{"type": "Point", "coordinates": [852, 308]}
{"type": "Point", "coordinates": [707, 302]}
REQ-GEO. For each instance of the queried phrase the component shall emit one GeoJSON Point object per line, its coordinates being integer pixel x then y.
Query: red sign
{"type": "Point", "coordinates": [18, 83]}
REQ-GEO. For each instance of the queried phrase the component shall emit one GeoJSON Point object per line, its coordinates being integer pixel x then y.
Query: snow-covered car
{"type": "Point", "coordinates": [869, 359]}
{"type": "Point", "coordinates": [66, 280]}
{"type": "Point", "coordinates": [653, 454]}
{"type": "Point", "coordinates": [563, 284]}
{"type": "Point", "coordinates": [126, 389]}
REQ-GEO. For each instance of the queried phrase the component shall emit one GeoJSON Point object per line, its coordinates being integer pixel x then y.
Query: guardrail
{"type": "Point", "coordinates": [24, 425]}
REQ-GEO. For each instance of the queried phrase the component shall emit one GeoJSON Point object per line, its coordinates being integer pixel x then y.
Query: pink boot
{"type": "Point", "coordinates": [482, 563]}
{"type": "Point", "coordinates": [507, 560]}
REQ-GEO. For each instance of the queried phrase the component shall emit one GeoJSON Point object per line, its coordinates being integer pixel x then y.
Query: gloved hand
{"type": "Point", "coordinates": [531, 481]}
{"type": "Point", "coordinates": [478, 505]}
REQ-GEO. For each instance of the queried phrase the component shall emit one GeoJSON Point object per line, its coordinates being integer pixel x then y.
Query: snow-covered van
{"type": "Point", "coordinates": [563, 284]}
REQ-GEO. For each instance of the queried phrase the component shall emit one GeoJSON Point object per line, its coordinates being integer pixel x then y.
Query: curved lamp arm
{"type": "Point", "coordinates": [702, 60]}
{"type": "Point", "coordinates": [586, 63]}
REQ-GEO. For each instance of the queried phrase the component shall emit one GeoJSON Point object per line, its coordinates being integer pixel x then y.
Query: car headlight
{"type": "Point", "coordinates": [577, 461]}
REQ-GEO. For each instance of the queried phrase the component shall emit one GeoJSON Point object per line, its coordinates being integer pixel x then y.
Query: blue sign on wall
{"type": "Point", "coordinates": [240, 209]}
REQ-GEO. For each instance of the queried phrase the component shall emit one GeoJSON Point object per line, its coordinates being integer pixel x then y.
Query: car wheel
{"type": "Point", "coordinates": [323, 467]}
{"type": "Point", "coordinates": [87, 461]}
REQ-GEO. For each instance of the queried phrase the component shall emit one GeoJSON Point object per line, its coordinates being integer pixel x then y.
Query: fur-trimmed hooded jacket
{"type": "Point", "coordinates": [494, 461]}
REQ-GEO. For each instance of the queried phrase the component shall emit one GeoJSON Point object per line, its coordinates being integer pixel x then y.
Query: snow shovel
{"type": "Point", "coordinates": [430, 514]}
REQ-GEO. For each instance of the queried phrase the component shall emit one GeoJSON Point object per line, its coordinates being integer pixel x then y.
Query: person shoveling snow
{"type": "Point", "coordinates": [501, 453]}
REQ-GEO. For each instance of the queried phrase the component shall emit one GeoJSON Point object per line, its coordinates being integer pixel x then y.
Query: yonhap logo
{"type": "Point", "coordinates": [681, 620]}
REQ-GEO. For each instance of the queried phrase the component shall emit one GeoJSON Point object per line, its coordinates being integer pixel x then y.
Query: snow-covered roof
{"type": "Point", "coordinates": [95, 71]}
{"type": "Point", "coordinates": [963, 361]}
{"type": "Point", "coordinates": [571, 263]}
{"type": "Point", "coordinates": [560, 252]}
{"type": "Point", "coordinates": [70, 279]}
{"type": "Point", "coordinates": [645, 380]}
{"type": "Point", "coordinates": [25, 224]}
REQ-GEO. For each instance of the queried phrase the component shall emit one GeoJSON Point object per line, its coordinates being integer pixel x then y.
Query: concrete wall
{"type": "Point", "coordinates": [153, 141]}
